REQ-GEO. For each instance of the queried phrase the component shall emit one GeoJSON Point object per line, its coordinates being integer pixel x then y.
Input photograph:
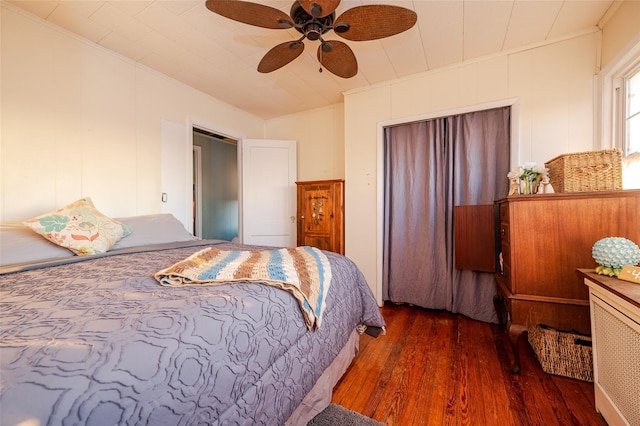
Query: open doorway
{"type": "Point", "coordinates": [215, 188]}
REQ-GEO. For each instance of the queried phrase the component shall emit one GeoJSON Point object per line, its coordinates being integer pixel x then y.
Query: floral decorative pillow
{"type": "Point", "coordinates": [80, 228]}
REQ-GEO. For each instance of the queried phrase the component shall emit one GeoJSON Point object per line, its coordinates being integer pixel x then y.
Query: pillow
{"type": "Point", "coordinates": [80, 228]}
{"type": "Point", "coordinates": [19, 244]}
{"type": "Point", "coordinates": [153, 229]}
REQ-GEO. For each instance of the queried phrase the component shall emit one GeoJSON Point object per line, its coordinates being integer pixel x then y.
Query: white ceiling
{"type": "Point", "coordinates": [218, 56]}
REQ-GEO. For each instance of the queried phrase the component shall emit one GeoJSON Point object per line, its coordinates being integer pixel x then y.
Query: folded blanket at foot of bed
{"type": "Point", "coordinates": [302, 271]}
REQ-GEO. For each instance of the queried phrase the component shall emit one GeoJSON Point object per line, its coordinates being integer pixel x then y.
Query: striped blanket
{"type": "Point", "coordinates": [302, 271]}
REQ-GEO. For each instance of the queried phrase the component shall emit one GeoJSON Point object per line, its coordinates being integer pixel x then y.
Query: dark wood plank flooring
{"type": "Point", "coordinates": [437, 368]}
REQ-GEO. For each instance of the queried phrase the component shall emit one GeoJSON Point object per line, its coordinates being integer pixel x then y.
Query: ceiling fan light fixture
{"type": "Point", "coordinates": [313, 30]}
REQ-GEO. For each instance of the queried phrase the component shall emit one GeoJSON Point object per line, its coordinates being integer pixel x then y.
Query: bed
{"type": "Point", "coordinates": [97, 340]}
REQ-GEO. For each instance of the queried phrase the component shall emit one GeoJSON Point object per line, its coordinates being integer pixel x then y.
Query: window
{"type": "Point", "coordinates": [629, 137]}
{"type": "Point", "coordinates": [621, 114]}
{"type": "Point", "coordinates": [631, 143]}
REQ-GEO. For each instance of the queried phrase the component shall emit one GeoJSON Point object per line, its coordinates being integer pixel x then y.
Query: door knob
{"type": "Point", "coordinates": [293, 219]}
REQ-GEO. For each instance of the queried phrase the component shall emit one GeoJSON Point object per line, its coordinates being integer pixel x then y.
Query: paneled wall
{"type": "Point", "coordinates": [552, 87]}
{"type": "Point", "coordinates": [79, 120]}
{"type": "Point", "coordinates": [319, 134]}
{"type": "Point", "coordinates": [621, 29]}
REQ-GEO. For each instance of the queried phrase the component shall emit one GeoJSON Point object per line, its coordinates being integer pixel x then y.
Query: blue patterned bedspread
{"type": "Point", "coordinates": [101, 343]}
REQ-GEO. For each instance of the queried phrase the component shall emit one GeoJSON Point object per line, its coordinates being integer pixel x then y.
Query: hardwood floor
{"type": "Point", "coordinates": [437, 368]}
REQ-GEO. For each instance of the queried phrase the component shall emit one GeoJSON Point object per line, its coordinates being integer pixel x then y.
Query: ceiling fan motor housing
{"type": "Point", "coordinates": [311, 27]}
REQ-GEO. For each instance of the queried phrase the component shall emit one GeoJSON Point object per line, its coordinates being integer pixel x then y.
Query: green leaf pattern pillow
{"type": "Point", "coordinates": [80, 227]}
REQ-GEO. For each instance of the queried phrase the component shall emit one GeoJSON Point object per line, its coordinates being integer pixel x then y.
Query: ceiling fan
{"type": "Point", "coordinates": [313, 19]}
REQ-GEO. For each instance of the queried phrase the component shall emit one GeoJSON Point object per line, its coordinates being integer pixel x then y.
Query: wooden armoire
{"type": "Point", "coordinates": [321, 214]}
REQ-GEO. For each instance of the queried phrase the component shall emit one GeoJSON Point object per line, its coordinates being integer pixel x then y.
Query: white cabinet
{"type": "Point", "coordinates": [615, 327]}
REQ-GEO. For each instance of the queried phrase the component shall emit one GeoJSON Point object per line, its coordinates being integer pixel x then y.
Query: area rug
{"type": "Point", "coordinates": [335, 415]}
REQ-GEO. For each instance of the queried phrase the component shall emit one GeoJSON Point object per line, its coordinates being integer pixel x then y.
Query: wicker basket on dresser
{"type": "Point", "coordinates": [543, 240]}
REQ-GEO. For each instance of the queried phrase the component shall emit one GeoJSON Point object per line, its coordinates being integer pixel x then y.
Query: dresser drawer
{"type": "Point", "coordinates": [504, 212]}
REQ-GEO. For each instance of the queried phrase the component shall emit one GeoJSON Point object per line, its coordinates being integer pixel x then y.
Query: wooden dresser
{"type": "Point", "coordinates": [321, 214]}
{"type": "Point", "coordinates": [543, 240]}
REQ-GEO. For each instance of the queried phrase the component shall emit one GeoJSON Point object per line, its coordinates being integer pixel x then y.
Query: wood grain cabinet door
{"type": "Point", "coordinates": [320, 215]}
{"type": "Point", "coordinates": [474, 238]}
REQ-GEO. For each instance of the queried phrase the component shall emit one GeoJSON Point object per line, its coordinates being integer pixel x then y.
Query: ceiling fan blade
{"type": "Point", "coordinates": [280, 55]}
{"type": "Point", "coordinates": [371, 22]}
{"type": "Point", "coordinates": [250, 13]}
{"type": "Point", "coordinates": [319, 8]}
{"type": "Point", "coordinates": [340, 59]}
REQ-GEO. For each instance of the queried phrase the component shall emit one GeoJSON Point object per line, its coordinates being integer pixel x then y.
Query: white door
{"type": "Point", "coordinates": [176, 180]}
{"type": "Point", "coordinates": [269, 173]}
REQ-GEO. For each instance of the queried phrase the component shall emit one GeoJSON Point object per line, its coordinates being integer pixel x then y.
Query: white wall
{"type": "Point", "coordinates": [554, 88]}
{"type": "Point", "coordinates": [320, 140]}
{"type": "Point", "coordinates": [78, 120]}
{"type": "Point", "coordinates": [620, 30]}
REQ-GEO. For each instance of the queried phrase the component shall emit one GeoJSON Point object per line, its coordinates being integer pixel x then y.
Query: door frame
{"type": "Point", "coordinates": [192, 123]}
{"type": "Point", "coordinates": [514, 103]}
{"type": "Point", "coordinates": [197, 189]}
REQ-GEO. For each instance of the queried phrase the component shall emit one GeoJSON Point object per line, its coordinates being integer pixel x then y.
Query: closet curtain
{"type": "Point", "coordinates": [430, 167]}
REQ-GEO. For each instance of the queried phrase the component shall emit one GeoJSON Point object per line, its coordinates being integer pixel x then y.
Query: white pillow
{"type": "Point", "coordinates": [153, 229]}
{"type": "Point", "coordinates": [19, 244]}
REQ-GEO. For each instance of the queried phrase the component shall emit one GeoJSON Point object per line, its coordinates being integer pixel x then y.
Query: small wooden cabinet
{"type": "Point", "coordinates": [321, 214]}
{"type": "Point", "coordinates": [543, 240]}
{"type": "Point", "coordinates": [615, 325]}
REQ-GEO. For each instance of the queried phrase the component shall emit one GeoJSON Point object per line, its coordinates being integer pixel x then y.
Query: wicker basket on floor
{"type": "Point", "coordinates": [562, 353]}
{"type": "Point", "coordinates": [586, 171]}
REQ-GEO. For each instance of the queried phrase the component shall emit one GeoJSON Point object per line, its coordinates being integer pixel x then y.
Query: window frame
{"type": "Point", "coordinates": [621, 106]}
{"type": "Point", "coordinates": [611, 108]}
